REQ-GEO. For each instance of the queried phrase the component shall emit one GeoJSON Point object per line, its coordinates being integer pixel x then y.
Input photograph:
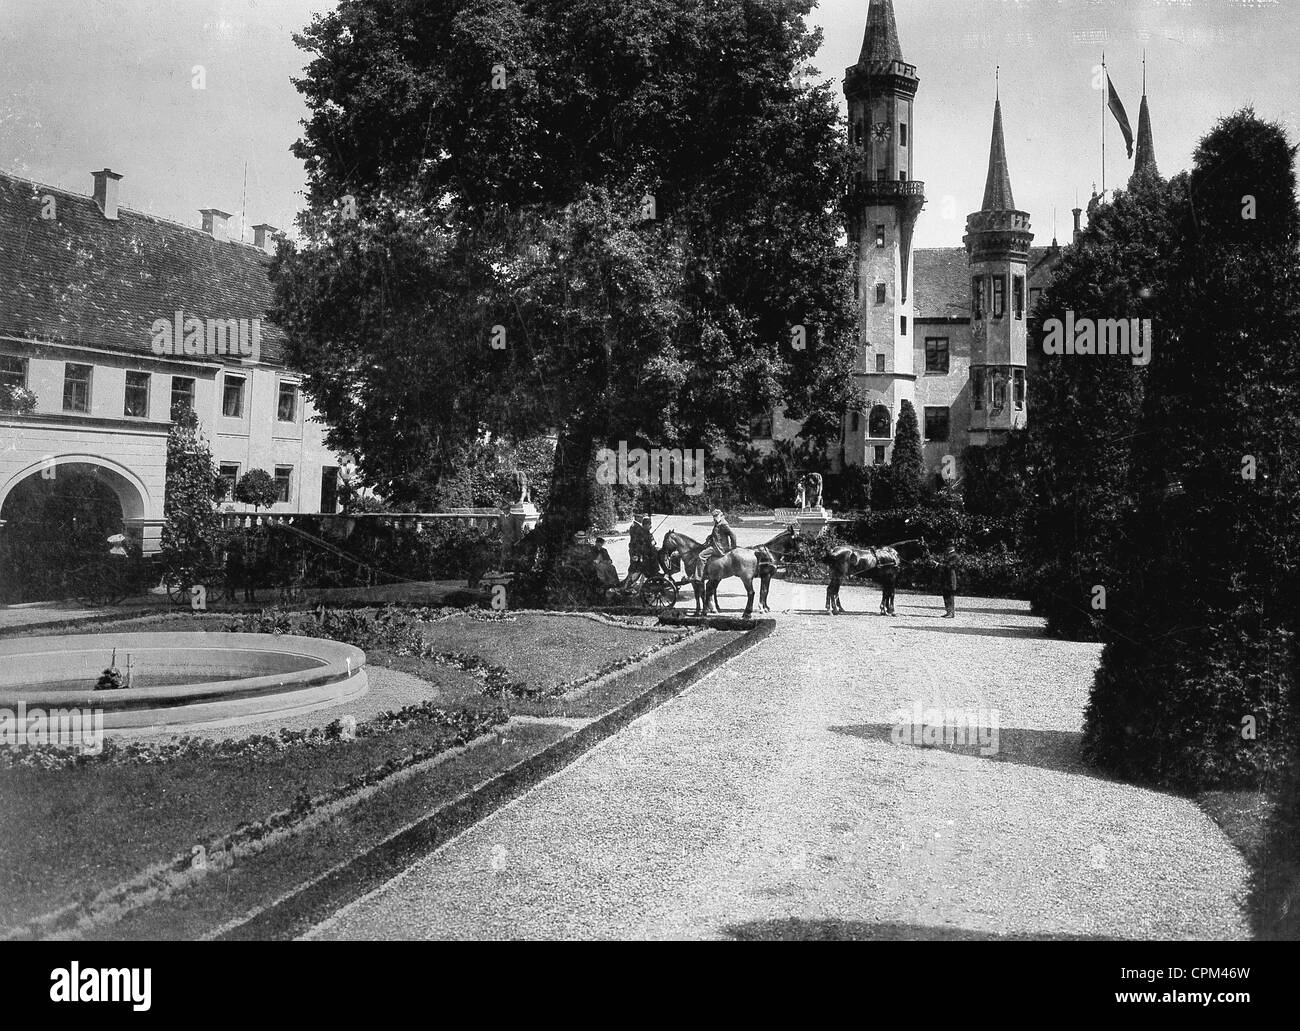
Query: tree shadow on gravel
{"type": "Point", "coordinates": [1045, 749]}
{"type": "Point", "coordinates": [1033, 633]}
{"type": "Point", "coordinates": [797, 929]}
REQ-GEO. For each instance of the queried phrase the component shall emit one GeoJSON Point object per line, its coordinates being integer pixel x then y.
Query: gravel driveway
{"type": "Point", "coordinates": [772, 801]}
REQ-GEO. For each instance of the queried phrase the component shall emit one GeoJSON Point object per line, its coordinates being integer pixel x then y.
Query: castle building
{"type": "Point", "coordinates": [943, 328]}
{"type": "Point", "coordinates": [109, 318]}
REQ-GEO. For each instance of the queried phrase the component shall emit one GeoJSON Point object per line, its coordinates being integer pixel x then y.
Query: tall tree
{"type": "Point", "coordinates": [191, 523]}
{"type": "Point", "coordinates": [1198, 676]}
{"type": "Point", "coordinates": [1087, 408]}
{"type": "Point", "coordinates": [607, 221]}
{"type": "Point", "coordinates": [907, 463]}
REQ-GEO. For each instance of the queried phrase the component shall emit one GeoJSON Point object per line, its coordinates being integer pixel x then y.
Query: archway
{"type": "Point", "coordinates": [53, 520]}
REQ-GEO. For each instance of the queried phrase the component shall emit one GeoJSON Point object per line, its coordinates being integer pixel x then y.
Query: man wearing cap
{"type": "Point", "coordinates": [721, 540]}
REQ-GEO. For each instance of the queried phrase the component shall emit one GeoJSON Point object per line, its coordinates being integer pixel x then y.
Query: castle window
{"type": "Point", "coordinates": [76, 388]}
{"type": "Point", "coordinates": [857, 288]}
{"type": "Point", "coordinates": [229, 473]}
{"type": "Point", "coordinates": [977, 296]}
{"type": "Point", "coordinates": [880, 363]}
{"type": "Point", "coordinates": [936, 354]}
{"type": "Point", "coordinates": [1020, 389]}
{"type": "Point", "coordinates": [232, 397]}
{"type": "Point", "coordinates": [880, 236]}
{"type": "Point", "coordinates": [977, 388]}
{"type": "Point", "coordinates": [999, 296]}
{"type": "Point", "coordinates": [902, 134]}
{"type": "Point", "coordinates": [183, 392]}
{"type": "Point", "coordinates": [999, 389]}
{"type": "Point", "coordinates": [882, 174]}
{"type": "Point", "coordinates": [902, 324]}
{"type": "Point", "coordinates": [13, 371]}
{"type": "Point", "coordinates": [135, 405]}
{"type": "Point", "coordinates": [880, 293]}
{"type": "Point", "coordinates": [284, 482]}
{"type": "Point", "coordinates": [878, 422]}
{"type": "Point", "coordinates": [936, 423]}
{"type": "Point", "coordinates": [1018, 296]}
{"type": "Point", "coordinates": [1035, 292]}
{"type": "Point", "coordinates": [760, 427]}
{"type": "Point", "coordinates": [857, 422]}
{"type": "Point", "coordinates": [879, 454]}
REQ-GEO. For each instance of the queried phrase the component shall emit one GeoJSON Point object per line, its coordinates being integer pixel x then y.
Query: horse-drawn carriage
{"type": "Point", "coordinates": [585, 577]}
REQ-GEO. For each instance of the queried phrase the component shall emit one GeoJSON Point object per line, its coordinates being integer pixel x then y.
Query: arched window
{"type": "Point", "coordinates": [878, 422]}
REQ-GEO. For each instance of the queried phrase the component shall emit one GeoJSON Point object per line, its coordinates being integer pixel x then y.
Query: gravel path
{"type": "Point", "coordinates": [772, 801]}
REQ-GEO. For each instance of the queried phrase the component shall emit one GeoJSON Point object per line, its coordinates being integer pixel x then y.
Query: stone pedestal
{"type": "Point", "coordinates": [811, 521]}
{"type": "Point", "coordinates": [523, 517]}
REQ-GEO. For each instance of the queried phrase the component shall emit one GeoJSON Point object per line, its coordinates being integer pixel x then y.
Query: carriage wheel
{"type": "Point", "coordinates": [659, 593]}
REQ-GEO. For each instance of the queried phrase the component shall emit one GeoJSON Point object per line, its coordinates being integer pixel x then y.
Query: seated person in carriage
{"type": "Point", "coordinates": [606, 574]}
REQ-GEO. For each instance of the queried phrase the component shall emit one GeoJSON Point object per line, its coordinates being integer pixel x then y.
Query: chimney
{"type": "Point", "coordinates": [265, 236]}
{"type": "Point", "coordinates": [214, 222]}
{"type": "Point", "coordinates": [1077, 230]}
{"type": "Point", "coordinates": [106, 181]}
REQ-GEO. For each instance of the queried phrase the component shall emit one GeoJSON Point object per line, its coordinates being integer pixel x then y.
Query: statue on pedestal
{"type": "Point", "coordinates": [810, 491]}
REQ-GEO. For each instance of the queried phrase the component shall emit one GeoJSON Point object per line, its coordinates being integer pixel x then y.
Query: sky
{"type": "Point", "coordinates": [86, 84]}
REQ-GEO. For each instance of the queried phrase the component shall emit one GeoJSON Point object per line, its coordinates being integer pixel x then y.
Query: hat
{"type": "Point", "coordinates": [600, 540]}
{"type": "Point", "coordinates": [717, 512]}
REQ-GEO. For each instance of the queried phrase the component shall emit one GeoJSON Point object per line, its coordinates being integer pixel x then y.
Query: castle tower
{"type": "Point", "coordinates": [997, 247]}
{"type": "Point", "coordinates": [885, 203]}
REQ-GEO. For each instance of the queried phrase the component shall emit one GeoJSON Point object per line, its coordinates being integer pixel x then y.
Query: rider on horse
{"type": "Point", "coordinates": [720, 541]}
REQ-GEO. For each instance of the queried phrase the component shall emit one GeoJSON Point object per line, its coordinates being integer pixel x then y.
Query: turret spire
{"type": "Point", "coordinates": [997, 188]}
{"type": "Point", "coordinates": [881, 40]}
{"type": "Point", "coordinates": [1144, 161]}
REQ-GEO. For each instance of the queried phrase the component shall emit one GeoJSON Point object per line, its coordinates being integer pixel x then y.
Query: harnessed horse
{"type": "Point", "coordinates": [746, 563]}
{"type": "Point", "coordinates": [845, 560]}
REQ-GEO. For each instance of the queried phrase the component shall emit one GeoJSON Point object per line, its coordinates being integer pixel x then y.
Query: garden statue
{"type": "Point", "coordinates": [800, 495]}
{"type": "Point", "coordinates": [810, 491]}
{"type": "Point", "coordinates": [521, 484]}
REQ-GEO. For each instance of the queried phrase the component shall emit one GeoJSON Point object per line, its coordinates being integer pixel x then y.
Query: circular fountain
{"type": "Point", "coordinates": [177, 679]}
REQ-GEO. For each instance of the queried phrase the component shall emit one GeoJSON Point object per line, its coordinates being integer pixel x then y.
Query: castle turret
{"type": "Point", "coordinates": [997, 246]}
{"type": "Point", "coordinates": [885, 203]}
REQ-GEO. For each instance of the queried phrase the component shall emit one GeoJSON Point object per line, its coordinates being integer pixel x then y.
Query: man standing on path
{"type": "Point", "coordinates": [948, 581]}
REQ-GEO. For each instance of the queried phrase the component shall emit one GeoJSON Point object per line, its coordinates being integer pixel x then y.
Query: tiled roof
{"type": "Point", "coordinates": [941, 283]}
{"type": "Point", "coordinates": [880, 42]}
{"type": "Point", "coordinates": [997, 187]}
{"type": "Point", "coordinates": [81, 278]}
{"type": "Point", "coordinates": [941, 280]}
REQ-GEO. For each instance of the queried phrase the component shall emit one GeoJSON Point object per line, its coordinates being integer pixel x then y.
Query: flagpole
{"type": "Point", "coordinates": [1105, 88]}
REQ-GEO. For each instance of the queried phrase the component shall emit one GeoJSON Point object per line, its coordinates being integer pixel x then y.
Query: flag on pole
{"type": "Point", "coordinates": [1117, 109]}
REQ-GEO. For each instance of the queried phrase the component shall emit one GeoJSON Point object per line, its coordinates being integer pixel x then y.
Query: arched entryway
{"type": "Point", "coordinates": [54, 518]}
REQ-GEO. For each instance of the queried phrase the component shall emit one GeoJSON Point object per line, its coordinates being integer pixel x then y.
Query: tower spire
{"type": "Point", "coordinates": [880, 44]}
{"type": "Point", "coordinates": [997, 187]}
{"type": "Point", "coordinates": [1144, 160]}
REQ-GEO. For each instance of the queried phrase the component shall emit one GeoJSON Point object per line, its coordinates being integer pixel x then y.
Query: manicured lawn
{"type": "Point", "coordinates": [72, 832]}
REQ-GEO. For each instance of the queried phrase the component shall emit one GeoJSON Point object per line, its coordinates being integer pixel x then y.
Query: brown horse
{"type": "Point", "coordinates": [845, 560]}
{"type": "Point", "coordinates": [746, 563]}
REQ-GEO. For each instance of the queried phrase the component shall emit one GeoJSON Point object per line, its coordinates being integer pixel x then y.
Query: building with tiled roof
{"type": "Point", "coordinates": [110, 317]}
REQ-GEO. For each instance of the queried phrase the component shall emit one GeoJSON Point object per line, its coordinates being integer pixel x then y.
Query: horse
{"type": "Point", "coordinates": [746, 563]}
{"type": "Point", "coordinates": [844, 560]}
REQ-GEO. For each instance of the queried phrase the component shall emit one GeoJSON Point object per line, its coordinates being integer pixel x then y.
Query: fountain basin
{"type": "Point", "coordinates": [180, 678]}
